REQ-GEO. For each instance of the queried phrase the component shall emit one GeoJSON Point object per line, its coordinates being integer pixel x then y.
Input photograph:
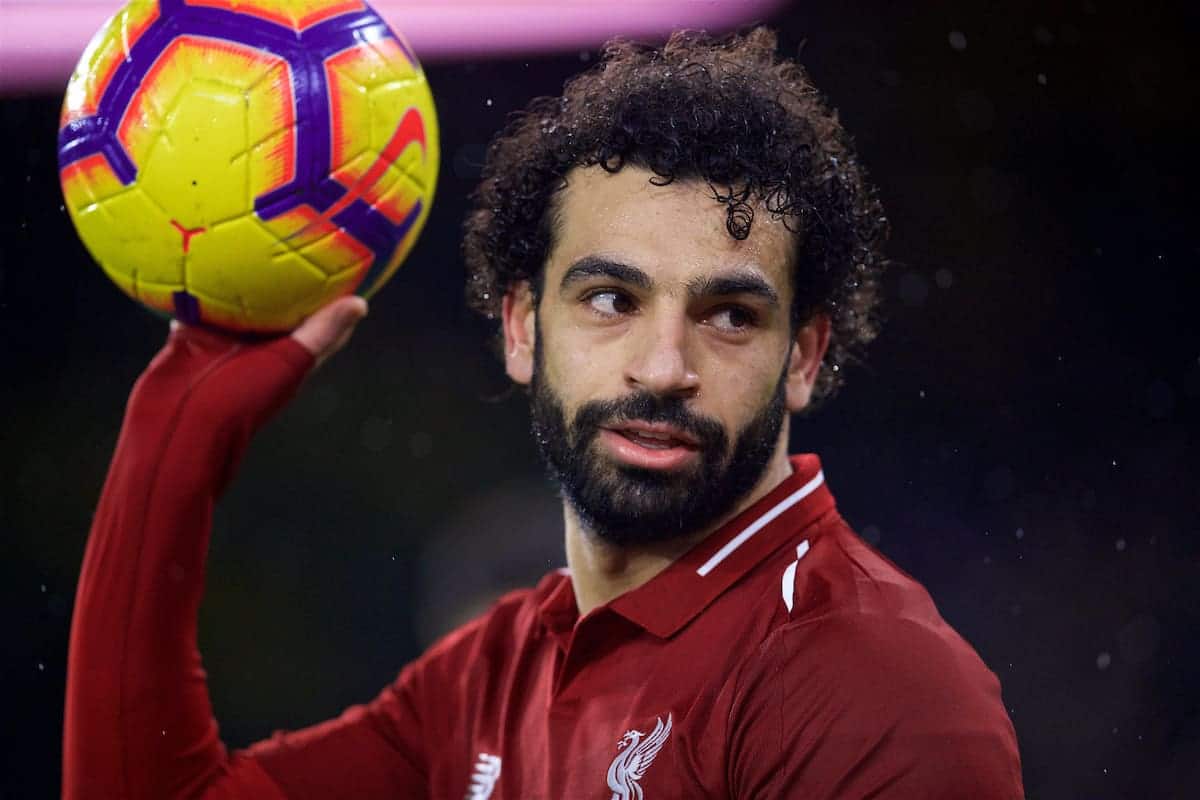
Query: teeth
{"type": "Point", "coordinates": [656, 441]}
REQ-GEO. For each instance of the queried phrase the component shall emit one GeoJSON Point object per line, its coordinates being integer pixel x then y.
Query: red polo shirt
{"type": "Point", "coordinates": [780, 658]}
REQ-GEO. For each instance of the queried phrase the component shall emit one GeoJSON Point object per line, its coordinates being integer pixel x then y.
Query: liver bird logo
{"type": "Point", "coordinates": [637, 752]}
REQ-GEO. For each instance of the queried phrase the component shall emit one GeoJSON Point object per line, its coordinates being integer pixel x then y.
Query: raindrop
{"type": "Point", "coordinates": [1043, 36]}
{"type": "Point", "coordinates": [958, 40]}
{"type": "Point", "coordinates": [488, 102]}
{"type": "Point", "coordinates": [944, 278]}
{"type": "Point", "coordinates": [1120, 545]}
{"type": "Point", "coordinates": [1020, 534]}
{"type": "Point", "coordinates": [1103, 661]}
{"type": "Point", "coordinates": [1041, 78]}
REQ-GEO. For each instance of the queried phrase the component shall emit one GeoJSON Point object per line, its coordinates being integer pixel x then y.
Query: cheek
{"type": "Point", "coordinates": [576, 369]}
{"type": "Point", "coordinates": [744, 386]}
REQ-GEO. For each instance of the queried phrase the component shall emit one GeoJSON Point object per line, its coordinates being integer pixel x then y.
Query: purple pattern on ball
{"type": "Point", "coordinates": [187, 308]}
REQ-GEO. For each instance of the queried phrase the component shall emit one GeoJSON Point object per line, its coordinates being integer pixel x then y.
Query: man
{"type": "Point", "coordinates": [681, 251]}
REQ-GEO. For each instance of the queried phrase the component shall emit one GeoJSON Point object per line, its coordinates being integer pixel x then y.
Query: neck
{"type": "Point", "coordinates": [602, 571]}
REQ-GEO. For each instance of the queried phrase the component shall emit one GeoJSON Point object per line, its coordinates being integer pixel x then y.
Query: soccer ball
{"type": "Point", "coordinates": [239, 163]}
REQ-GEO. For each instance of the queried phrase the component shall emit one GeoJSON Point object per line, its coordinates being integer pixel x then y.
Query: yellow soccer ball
{"type": "Point", "coordinates": [237, 164]}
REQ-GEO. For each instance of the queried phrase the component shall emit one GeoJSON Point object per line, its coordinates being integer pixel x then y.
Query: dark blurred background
{"type": "Point", "coordinates": [1022, 438]}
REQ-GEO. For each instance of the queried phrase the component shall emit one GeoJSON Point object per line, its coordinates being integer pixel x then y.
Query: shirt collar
{"type": "Point", "coordinates": [671, 599]}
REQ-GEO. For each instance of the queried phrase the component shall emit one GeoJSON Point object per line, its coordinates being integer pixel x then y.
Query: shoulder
{"type": "Point", "coordinates": [866, 678]}
{"type": "Point", "coordinates": [861, 626]}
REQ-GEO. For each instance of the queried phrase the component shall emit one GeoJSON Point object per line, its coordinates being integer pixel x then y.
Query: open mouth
{"type": "Point", "coordinates": [655, 440]}
{"type": "Point", "coordinates": [650, 445]}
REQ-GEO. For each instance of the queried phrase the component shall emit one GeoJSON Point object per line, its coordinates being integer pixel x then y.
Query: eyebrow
{"type": "Point", "coordinates": [741, 282]}
{"type": "Point", "coordinates": [593, 266]}
{"type": "Point", "coordinates": [737, 283]}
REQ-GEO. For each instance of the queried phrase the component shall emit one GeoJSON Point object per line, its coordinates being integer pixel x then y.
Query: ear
{"type": "Point", "coordinates": [520, 331]}
{"type": "Point", "coordinates": [804, 363]}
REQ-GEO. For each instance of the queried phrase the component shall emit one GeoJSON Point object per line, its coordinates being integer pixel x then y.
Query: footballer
{"type": "Point", "coordinates": [681, 251]}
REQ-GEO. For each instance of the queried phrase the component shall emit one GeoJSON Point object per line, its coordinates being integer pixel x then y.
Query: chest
{"type": "Point", "coordinates": [603, 720]}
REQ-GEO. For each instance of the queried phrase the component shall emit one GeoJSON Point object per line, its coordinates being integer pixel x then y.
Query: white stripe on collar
{"type": "Point", "coordinates": [760, 523]}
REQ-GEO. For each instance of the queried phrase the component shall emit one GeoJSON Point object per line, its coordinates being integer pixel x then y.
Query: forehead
{"type": "Point", "coordinates": [673, 232]}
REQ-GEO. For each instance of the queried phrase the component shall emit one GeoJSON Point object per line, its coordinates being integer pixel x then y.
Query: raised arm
{"type": "Point", "coordinates": [138, 720]}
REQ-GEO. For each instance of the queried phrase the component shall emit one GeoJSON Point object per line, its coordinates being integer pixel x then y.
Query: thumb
{"type": "Point", "coordinates": [328, 329]}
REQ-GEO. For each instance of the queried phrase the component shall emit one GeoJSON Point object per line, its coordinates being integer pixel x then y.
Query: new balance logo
{"type": "Point", "coordinates": [483, 780]}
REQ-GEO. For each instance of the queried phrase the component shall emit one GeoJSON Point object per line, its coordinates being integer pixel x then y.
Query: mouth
{"type": "Point", "coordinates": [650, 445]}
{"type": "Point", "coordinates": [655, 436]}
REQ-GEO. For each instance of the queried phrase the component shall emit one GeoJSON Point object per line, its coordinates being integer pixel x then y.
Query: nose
{"type": "Point", "coordinates": [661, 362]}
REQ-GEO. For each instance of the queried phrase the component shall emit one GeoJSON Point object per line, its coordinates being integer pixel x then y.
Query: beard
{"type": "Point", "coordinates": [626, 505]}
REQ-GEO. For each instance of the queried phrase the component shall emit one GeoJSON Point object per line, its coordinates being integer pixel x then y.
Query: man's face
{"type": "Point", "coordinates": [662, 362]}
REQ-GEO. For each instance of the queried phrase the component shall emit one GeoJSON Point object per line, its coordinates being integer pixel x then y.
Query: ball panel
{"type": "Point", "coordinates": [271, 125]}
{"type": "Point", "coordinates": [349, 118]}
{"type": "Point", "coordinates": [321, 243]}
{"type": "Point", "coordinates": [201, 177]}
{"type": "Point", "coordinates": [89, 181]}
{"type": "Point", "coordinates": [294, 14]}
{"type": "Point", "coordinates": [147, 252]}
{"type": "Point", "coordinates": [338, 253]}
{"type": "Point", "coordinates": [298, 226]}
{"type": "Point", "coordinates": [243, 265]}
{"type": "Point", "coordinates": [103, 55]}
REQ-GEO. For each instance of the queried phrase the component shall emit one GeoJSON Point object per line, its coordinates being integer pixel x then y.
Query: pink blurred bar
{"type": "Point", "coordinates": [40, 40]}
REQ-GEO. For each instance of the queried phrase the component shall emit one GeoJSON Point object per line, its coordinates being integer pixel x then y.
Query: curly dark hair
{"type": "Point", "coordinates": [728, 112]}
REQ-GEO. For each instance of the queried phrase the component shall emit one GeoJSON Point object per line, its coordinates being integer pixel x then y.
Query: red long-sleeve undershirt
{"type": "Point", "coordinates": [138, 718]}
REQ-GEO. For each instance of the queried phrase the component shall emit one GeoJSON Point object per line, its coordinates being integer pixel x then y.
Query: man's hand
{"type": "Point", "coordinates": [329, 328]}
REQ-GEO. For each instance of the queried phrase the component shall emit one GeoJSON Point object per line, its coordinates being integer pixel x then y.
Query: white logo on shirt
{"type": "Point", "coordinates": [483, 780]}
{"type": "Point", "coordinates": [637, 752]}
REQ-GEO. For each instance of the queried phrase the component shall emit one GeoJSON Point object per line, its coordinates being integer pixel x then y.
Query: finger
{"type": "Point", "coordinates": [329, 328]}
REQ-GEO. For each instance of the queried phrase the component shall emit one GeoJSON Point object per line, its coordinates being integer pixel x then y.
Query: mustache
{"type": "Point", "coordinates": [647, 407]}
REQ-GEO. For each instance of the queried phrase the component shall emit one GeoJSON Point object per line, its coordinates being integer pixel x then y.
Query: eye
{"type": "Point", "coordinates": [609, 302]}
{"type": "Point", "coordinates": [733, 319]}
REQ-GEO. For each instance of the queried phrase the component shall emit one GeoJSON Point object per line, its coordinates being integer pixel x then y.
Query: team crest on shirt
{"type": "Point", "coordinates": [483, 779]}
{"type": "Point", "coordinates": [635, 753]}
